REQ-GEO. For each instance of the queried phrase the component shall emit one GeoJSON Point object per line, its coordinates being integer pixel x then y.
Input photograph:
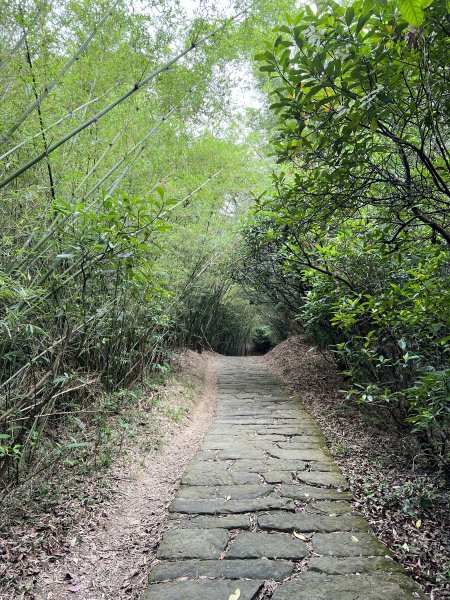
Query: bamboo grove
{"type": "Point", "coordinates": [122, 154]}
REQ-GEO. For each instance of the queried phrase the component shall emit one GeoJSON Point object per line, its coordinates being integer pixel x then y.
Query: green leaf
{"type": "Point", "coordinates": [78, 445]}
{"type": "Point", "coordinates": [374, 125]}
{"type": "Point", "coordinates": [402, 344]}
{"type": "Point", "coordinates": [264, 56]}
{"type": "Point", "coordinates": [361, 22]}
{"type": "Point", "coordinates": [413, 11]}
{"type": "Point", "coordinates": [267, 68]}
{"type": "Point", "coordinates": [349, 14]}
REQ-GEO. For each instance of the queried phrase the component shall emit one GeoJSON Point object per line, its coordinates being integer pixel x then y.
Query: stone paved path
{"type": "Point", "coordinates": [264, 510]}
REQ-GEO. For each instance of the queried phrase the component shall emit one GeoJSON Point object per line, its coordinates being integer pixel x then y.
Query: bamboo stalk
{"type": "Point", "coordinates": [20, 41]}
{"type": "Point", "coordinates": [57, 221]}
{"type": "Point", "coordinates": [94, 119]}
{"type": "Point", "coordinates": [109, 146]}
{"type": "Point", "coordinates": [186, 198]}
{"type": "Point", "coordinates": [61, 74]}
{"type": "Point", "coordinates": [140, 146]}
{"type": "Point", "coordinates": [95, 259]}
{"type": "Point", "coordinates": [70, 114]}
{"type": "Point", "coordinates": [55, 344]}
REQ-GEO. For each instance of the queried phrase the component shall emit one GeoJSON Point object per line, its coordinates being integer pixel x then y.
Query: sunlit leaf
{"type": "Point", "coordinates": [413, 11]}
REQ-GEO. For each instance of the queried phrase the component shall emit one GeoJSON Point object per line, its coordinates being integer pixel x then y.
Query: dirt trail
{"type": "Point", "coordinates": [114, 559]}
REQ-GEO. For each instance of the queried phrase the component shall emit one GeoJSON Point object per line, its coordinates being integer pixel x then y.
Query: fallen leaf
{"type": "Point", "coordinates": [418, 523]}
{"type": "Point", "coordinates": [236, 595]}
{"type": "Point", "coordinates": [300, 536]}
{"type": "Point", "coordinates": [354, 538]}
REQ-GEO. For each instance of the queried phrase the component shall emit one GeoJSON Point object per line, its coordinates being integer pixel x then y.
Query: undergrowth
{"type": "Point", "coordinates": [102, 449]}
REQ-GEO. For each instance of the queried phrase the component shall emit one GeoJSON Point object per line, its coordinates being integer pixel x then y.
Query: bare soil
{"type": "Point", "coordinates": [108, 550]}
{"type": "Point", "coordinates": [394, 485]}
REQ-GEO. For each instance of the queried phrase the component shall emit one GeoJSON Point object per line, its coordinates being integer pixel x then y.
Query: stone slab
{"type": "Point", "coordinates": [268, 463]}
{"type": "Point", "coordinates": [330, 508]}
{"type": "Point", "coordinates": [192, 543]}
{"type": "Point", "coordinates": [314, 586]}
{"type": "Point", "coordinates": [347, 544]}
{"type": "Point", "coordinates": [274, 477]}
{"type": "Point", "coordinates": [346, 566]}
{"type": "Point", "coordinates": [234, 521]}
{"type": "Point", "coordinates": [324, 479]}
{"type": "Point", "coordinates": [292, 431]}
{"type": "Point", "coordinates": [226, 569]}
{"type": "Point", "coordinates": [306, 455]}
{"type": "Point", "coordinates": [235, 453]}
{"type": "Point", "coordinates": [216, 506]}
{"type": "Point", "coordinates": [299, 442]}
{"type": "Point", "coordinates": [305, 492]}
{"type": "Point", "coordinates": [241, 444]}
{"type": "Point", "coordinates": [308, 523]}
{"type": "Point", "coordinates": [202, 590]}
{"type": "Point", "coordinates": [220, 478]}
{"type": "Point", "coordinates": [258, 545]}
{"type": "Point", "coordinates": [233, 492]}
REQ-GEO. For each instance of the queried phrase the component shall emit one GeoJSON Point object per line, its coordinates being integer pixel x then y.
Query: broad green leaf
{"type": "Point", "coordinates": [361, 22]}
{"type": "Point", "coordinates": [413, 11]}
{"type": "Point", "coordinates": [349, 14]}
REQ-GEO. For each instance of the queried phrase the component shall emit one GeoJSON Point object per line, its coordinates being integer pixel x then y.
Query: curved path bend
{"type": "Point", "coordinates": [263, 511]}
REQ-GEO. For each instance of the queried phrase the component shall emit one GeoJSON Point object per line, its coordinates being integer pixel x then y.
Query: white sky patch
{"type": "Point", "coordinates": [244, 93]}
{"type": "Point", "coordinates": [196, 8]}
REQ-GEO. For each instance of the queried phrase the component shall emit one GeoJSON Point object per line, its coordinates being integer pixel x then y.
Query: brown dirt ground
{"type": "Point", "coordinates": [108, 550]}
{"type": "Point", "coordinates": [382, 461]}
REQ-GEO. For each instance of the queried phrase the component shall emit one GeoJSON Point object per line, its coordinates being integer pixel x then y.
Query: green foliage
{"type": "Point", "coordinates": [413, 10]}
{"type": "Point", "coordinates": [353, 240]}
{"type": "Point", "coordinates": [264, 338]}
{"type": "Point", "coordinates": [414, 496]}
{"type": "Point", "coordinates": [215, 316]}
{"type": "Point", "coordinates": [115, 245]}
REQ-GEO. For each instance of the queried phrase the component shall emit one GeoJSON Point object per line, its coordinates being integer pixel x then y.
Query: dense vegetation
{"type": "Point", "coordinates": [127, 171]}
{"type": "Point", "coordinates": [125, 163]}
{"type": "Point", "coordinates": [353, 239]}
